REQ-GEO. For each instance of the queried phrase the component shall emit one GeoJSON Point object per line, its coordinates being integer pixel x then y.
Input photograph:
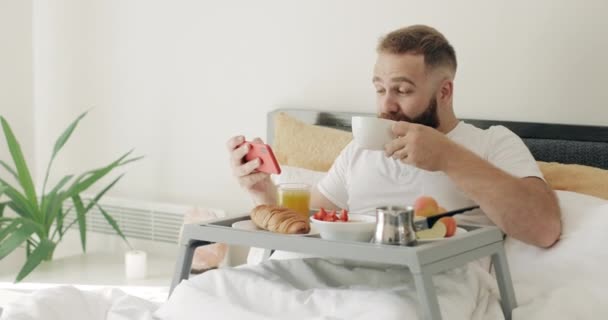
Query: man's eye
{"type": "Point", "coordinates": [380, 91]}
{"type": "Point", "coordinates": [405, 91]}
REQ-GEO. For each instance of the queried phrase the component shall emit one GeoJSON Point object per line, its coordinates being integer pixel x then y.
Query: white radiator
{"type": "Point", "coordinates": [137, 219]}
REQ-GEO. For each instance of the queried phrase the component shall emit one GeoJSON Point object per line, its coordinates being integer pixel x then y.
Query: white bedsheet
{"type": "Point", "coordinates": [565, 282]}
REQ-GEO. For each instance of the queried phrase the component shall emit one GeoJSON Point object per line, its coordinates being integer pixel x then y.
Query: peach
{"type": "Point", "coordinates": [425, 206]}
{"type": "Point", "coordinates": [450, 225]}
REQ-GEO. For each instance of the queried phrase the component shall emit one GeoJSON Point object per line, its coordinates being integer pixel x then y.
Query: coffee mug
{"type": "Point", "coordinates": [372, 133]}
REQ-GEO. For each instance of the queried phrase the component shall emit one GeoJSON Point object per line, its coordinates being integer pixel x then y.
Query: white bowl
{"type": "Point", "coordinates": [359, 227]}
{"type": "Point", "coordinates": [372, 133]}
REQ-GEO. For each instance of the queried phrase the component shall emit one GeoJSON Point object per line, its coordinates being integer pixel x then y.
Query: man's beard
{"type": "Point", "coordinates": [427, 118]}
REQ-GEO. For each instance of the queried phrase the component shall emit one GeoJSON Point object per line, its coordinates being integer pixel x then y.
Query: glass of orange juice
{"type": "Point", "coordinates": [295, 196]}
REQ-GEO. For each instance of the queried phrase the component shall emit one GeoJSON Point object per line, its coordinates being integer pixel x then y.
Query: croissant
{"type": "Point", "coordinates": [279, 219]}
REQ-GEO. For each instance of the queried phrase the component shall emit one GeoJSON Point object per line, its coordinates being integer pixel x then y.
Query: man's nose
{"type": "Point", "coordinates": [388, 104]}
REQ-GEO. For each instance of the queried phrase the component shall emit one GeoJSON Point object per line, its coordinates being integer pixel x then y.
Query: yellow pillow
{"type": "Point", "coordinates": [577, 178]}
{"type": "Point", "coordinates": [302, 145]}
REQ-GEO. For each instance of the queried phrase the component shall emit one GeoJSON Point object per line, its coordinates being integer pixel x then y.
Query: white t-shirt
{"type": "Point", "coordinates": [362, 180]}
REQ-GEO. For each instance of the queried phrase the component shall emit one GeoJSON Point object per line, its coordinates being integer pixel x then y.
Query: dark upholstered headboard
{"type": "Point", "coordinates": [586, 145]}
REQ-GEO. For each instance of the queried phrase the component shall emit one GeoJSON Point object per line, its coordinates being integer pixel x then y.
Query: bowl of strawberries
{"type": "Point", "coordinates": [340, 225]}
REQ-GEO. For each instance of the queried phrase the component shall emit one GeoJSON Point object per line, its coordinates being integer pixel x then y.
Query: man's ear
{"type": "Point", "coordinates": [446, 90]}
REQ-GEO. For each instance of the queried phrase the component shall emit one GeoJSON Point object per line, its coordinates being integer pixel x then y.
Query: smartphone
{"type": "Point", "coordinates": [264, 153]}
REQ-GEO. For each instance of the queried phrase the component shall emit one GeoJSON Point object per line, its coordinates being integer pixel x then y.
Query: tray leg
{"type": "Point", "coordinates": [184, 261]}
{"type": "Point", "coordinates": [505, 285]}
{"type": "Point", "coordinates": [267, 253]}
{"type": "Point", "coordinates": [429, 306]}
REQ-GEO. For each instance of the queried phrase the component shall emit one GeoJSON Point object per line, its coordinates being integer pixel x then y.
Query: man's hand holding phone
{"type": "Point", "coordinates": [252, 163]}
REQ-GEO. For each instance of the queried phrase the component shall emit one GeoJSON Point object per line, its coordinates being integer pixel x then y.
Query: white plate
{"type": "Point", "coordinates": [459, 231]}
{"type": "Point", "coordinates": [249, 225]}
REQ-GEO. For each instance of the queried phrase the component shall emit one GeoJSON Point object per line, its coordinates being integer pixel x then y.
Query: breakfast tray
{"type": "Point", "coordinates": [423, 260]}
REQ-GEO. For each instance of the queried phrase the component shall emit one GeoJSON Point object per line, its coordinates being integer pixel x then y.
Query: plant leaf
{"type": "Point", "coordinates": [102, 193]}
{"type": "Point", "coordinates": [81, 185]}
{"type": "Point", "coordinates": [4, 232]}
{"type": "Point", "coordinates": [82, 211]}
{"type": "Point", "coordinates": [43, 250]}
{"type": "Point", "coordinates": [52, 201]}
{"type": "Point", "coordinates": [130, 160]}
{"type": "Point", "coordinates": [19, 203]}
{"type": "Point", "coordinates": [15, 239]}
{"type": "Point", "coordinates": [2, 204]}
{"type": "Point", "coordinates": [63, 138]}
{"type": "Point", "coordinates": [114, 225]}
{"type": "Point", "coordinates": [54, 211]}
{"type": "Point", "coordinates": [60, 221]}
{"type": "Point", "coordinates": [9, 169]}
{"type": "Point", "coordinates": [82, 223]}
{"type": "Point", "coordinates": [4, 221]}
{"type": "Point", "coordinates": [62, 183]}
{"type": "Point", "coordinates": [25, 179]}
{"type": "Point", "coordinates": [19, 210]}
{"type": "Point", "coordinates": [18, 221]}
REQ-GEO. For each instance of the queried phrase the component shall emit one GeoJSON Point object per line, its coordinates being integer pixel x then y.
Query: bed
{"type": "Point", "coordinates": [564, 282]}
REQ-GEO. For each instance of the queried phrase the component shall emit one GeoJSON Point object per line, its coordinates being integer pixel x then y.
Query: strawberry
{"type": "Point", "coordinates": [344, 215]}
{"type": "Point", "coordinates": [320, 215]}
{"type": "Point", "coordinates": [331, 216]}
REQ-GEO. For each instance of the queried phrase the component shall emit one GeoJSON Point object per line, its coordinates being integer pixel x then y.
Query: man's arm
{"type": "Point", "coordinates": [524, 208]}
{"type": "Point", "coordinates": [318, 200]}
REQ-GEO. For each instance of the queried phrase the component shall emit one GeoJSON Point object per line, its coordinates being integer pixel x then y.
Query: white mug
{"type": "Point", "coordinates": [372, 133]}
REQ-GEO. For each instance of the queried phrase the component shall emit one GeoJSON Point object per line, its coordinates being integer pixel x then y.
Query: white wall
{"type": "Point", "coordinates": [16, 99]}
{"type": "Point", "coordinates": [175, 79]}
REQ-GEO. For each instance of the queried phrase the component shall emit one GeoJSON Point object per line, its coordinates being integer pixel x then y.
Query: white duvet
{"type": "Point", "coordinates": [564, 282]}
{"type": "Point", "coordinates": [568, 281]}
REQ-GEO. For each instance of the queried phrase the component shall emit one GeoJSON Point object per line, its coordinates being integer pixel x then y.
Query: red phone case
{"type": "Point", "coordinates": [265, 154]}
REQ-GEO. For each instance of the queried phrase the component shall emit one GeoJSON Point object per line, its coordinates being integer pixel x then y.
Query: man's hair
{"type": "Point", "coordinates": [420, 39]}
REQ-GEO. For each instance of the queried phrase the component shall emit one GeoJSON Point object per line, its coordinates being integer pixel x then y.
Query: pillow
{"type": "Point", "coordinates": [577, 178]}
{"type": "Point", "coordinates": [297, 144]}
{"type": "Point", "coordinates": [307, 146]}
{"type": "Point", "coordinates": [291, 174]}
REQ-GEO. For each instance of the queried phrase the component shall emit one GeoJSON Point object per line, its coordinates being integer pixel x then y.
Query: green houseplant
{"type": "Point", "coordinates": [38, 222]}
